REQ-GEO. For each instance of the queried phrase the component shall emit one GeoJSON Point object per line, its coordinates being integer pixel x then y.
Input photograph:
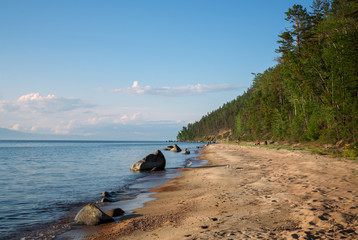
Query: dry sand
{"type": "Point", "coordinates": [250, 193]}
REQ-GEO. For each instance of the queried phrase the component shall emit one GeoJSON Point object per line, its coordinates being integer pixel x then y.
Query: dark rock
{"type": "Point", "coordinates": [155, 161]}
{"type": "Point", "coordinates": [114, 212]}
{"type": "Point", "coordinates": [107, 194]}
{"type": "Point", "coordinates": [175, 148]}
{"type": "Point", "coordinates": [92, 215]}
{"type": "Point", "coordinates": [188, 163]}
{"type": "Point", "coordinates": [107, 199]}
{"type": "Point", "coordinates": [186, 151]}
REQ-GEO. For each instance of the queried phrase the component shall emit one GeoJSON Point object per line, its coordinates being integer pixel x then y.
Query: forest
{"type": "Point", "coordinates": [311, 94]}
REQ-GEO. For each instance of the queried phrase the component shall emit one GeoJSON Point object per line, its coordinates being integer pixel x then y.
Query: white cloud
{"type": "Point", "coordinates": [35, 97]}
{"type": "Point", "coordinates": [35, 103]}
{"type": "Point", "coordinates": [92, 121]}
{"type": "Point", "coordinates": [51, 114]}
{"type": "Point", "coordinates": [16, 127]}
{"type": "Point", "coordinates": [44, 113]}
{"type": "Point", "coordinates": [136, 89]}
{"type": "Point", "coordinates": [64, 128]}
{"type": "Point", "coordinates": [135, 84]}
{"type": "Point", "coordinates": [128, 118]}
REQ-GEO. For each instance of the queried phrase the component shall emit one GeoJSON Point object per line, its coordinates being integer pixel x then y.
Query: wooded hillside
{"type": "Point", "coordinates": [311, 94]}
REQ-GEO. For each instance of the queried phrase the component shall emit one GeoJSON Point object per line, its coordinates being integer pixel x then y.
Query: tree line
{"type": "Point", "coordinates": [312, 92]}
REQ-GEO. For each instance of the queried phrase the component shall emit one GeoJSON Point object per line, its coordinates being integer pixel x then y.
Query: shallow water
{"type": "Point", "coordinates": [42, 182]}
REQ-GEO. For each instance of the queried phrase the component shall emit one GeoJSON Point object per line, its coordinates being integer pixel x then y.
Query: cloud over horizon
{"type": "Point", "coordinates": [51, 114]}
{"type": "Point", "coordinates": [37, 113]}
{"type": "Point", "coordinates": [136, 89]}
{"type": "Point", "coordinates": [35, 103]}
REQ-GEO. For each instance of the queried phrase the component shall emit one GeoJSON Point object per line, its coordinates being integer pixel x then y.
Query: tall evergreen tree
{"type": "Point", "coordinates": [311, 94]}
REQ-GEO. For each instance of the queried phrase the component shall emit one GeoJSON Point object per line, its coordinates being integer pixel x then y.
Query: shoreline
{"type": "Point", "coordinates": [249, 192]}
{"type": "Point", "coordinates": [138, 194]}
{"type": "Point", "coordinates": [106, 168]}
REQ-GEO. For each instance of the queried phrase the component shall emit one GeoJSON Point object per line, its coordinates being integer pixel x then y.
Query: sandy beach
{"type": "Point", "coordinates": [249, 192]}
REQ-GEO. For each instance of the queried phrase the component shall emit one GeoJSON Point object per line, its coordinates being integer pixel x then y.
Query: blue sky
{"type": "Point", "coordinates": [129, 70]}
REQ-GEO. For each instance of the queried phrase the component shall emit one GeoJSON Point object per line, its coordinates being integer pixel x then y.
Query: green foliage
{"type": "Point", "coordinates": [279, 130]}
{"type": "Point", "coordinates": [310, 95]}
{"type": "Point", "coordinates": [315, 124]}
{"type": "Point", "coordinates": [211, 124]}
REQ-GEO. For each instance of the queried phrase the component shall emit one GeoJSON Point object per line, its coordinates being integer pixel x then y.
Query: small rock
{"type": "Point", "coordinates": [114, 212]}
{"type": "Point", "coordinates": [107, 194]}
{"type": "Point", "coordinates": [168, 148]}
{"type": "Point", "coordinates": [186, 151]}
{"type": "Point", "coordinates": [107, 199]}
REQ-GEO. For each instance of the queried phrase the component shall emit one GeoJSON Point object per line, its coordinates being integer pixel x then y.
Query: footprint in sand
{"type": "Point", "coordinates": [324, 216]}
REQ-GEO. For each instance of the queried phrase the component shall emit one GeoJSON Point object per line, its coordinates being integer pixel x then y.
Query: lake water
{"type": "Point", "coordinates": [42, 183]}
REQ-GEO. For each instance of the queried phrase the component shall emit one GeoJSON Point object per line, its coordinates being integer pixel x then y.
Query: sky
{"type": "Point", "coordinates": [129, 70]}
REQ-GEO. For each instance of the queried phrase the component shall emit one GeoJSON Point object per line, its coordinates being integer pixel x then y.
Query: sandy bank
{"type": "Point", "coordinates": [250, 193]}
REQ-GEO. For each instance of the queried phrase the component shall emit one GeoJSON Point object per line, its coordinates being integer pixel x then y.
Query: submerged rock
{"type": "Point", "coordinates": [175, 148]}
{"type": "Point", "coordinates": [154, 161]}
{"type": "Point", "coordinates": [92, 215]}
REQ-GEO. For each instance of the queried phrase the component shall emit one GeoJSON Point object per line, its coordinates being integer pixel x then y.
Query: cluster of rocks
{"type": "Point", "coordinates": [92, 215]}
{"type": "Point", "coordinates": [174, 148]}
{"type": "Point", "coordinates": [156, 160]}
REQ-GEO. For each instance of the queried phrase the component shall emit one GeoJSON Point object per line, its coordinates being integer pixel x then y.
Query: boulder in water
{"type": "Point", "coordinates": [154, 161]}
{"type": "Point", "coordinates": [175, 148]}
{"type": "Point", "coordinates": [92, 215]}
{"type": "Point", "coordinates": [186, 151]}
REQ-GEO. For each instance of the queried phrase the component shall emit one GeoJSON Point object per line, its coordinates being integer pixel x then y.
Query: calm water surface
{"type": "Point", "coordinates": [41, 181]}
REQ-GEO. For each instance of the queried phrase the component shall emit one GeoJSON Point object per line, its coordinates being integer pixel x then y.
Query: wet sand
{"type": "Point", "coordinates": [249, 193]}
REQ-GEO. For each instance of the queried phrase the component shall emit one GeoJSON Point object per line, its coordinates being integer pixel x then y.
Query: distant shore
{"type": "Point", "coordinates": [249, 193]}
